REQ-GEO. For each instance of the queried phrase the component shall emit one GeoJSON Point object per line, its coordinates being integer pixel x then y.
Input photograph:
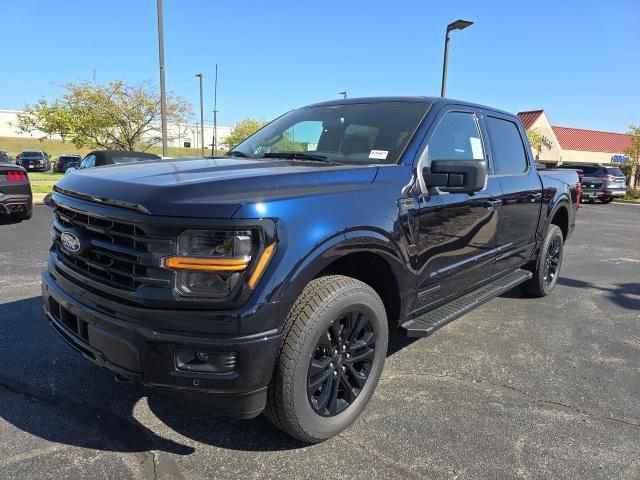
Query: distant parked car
{"type": "Point", "coordinates": [4, 157]}
{"type": "Point", "coordinates": [15, 192]}
{"type": "Point", "coordinates": [63, 162]}
{"type": "Point", "coordinates": [601, 182]}
{"type": "Point", "coordinates": [36, 161]}
{"type": "Point", "coordinates": [100, 158]}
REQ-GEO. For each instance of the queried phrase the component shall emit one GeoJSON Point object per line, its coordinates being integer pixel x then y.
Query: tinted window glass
{"type": "Point", "coordinates": [508, 150]}
{"type": "Point", "coordinates": [616, 172]}
{"type": "Point", "coordinates": [456, 138]}
{"type": "Point", "coordinates": [354, 133]}
{"type": "Point", "coordinates": [588, 170]}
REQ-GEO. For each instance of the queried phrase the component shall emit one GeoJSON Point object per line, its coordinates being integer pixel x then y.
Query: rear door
{"type": "Point", "coordinates": [521, 197]}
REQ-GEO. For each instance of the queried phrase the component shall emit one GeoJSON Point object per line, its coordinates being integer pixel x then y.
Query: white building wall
{"type": "Point", "coordinates": [179, 134]}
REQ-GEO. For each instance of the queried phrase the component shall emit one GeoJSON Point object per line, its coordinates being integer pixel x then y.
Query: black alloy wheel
{"type": "Point", "coordinates": [552, 262]}
{"type": "Point", "coordinates": [341, 363]}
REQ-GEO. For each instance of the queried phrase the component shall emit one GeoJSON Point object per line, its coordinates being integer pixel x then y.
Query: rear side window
{"type": "Point", "coordinates": [616, 172]}
{"type": "Point", "coordinates": [589, 170]}
{"type": "Point", "coordinates": [509, 156]}
{"type": "Point", "coordinates": [456, 138]}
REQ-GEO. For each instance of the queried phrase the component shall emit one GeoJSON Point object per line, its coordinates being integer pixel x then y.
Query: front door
{"type": "Point", "coordinates": [457, 231]}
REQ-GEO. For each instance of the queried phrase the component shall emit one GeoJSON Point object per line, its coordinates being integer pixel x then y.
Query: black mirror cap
{"type": "Point", "coordinates": [456, 176]}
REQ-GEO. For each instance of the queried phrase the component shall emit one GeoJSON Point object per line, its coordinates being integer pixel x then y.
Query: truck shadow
{"type": "Point", "coordinates": [52, 392]}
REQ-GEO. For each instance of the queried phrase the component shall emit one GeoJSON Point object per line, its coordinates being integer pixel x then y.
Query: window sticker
{"type": "Point", "coordinates": [379, 154]}
{"type": "Point", "coordinates": [476, 148]}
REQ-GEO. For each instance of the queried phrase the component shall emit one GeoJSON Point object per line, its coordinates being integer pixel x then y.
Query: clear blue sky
{"type": "Point", "coordinates": [576, 59]}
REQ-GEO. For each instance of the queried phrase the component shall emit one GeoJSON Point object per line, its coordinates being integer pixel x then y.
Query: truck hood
{"type": "Point", "coordinates": [211, 188]}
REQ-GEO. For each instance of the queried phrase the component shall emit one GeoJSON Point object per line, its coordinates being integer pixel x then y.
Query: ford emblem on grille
{"type": "Point", "coordinates": [70, 242]}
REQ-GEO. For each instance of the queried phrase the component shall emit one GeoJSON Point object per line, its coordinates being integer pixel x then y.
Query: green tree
{"type": "Point", "coordinates": [241, 130]}
{"type": "Point", "coordinates": [538, 142]}
{"type": "Point", "coordinates": [633, 152]}
{"type": "Point", "coordinates": [114, 115]}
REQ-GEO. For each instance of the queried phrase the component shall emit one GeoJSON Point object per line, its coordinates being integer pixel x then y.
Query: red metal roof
{"type": "Point", "coordinates": [591, 140]}
{"type": "Point", "coordinates": [528, 118]}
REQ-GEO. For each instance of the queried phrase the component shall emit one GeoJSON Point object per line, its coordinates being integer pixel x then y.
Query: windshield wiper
{"type": "Point", "coordinates": [297, 156]}
{"type": "Point", "coordinates": [237, 153]}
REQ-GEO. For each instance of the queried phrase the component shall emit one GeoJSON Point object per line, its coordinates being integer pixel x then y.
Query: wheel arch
{"type": "Point", "coordinates": [367, 255]}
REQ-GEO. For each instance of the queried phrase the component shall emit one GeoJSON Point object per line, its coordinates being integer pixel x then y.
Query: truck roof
{"type": "Point", "coordinates": [411, 99]}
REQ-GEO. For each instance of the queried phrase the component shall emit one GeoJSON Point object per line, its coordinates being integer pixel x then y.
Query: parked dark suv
{"type": "Point", "coordinates": [64, 162]}
{"type": "Point", "coordinates": [268, 280]}
{"type": "Point", "coordinates": [35, 161]}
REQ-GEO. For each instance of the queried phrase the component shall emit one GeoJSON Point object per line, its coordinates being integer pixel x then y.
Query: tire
{"type": "Point", "coordinates": [545, 275]}
{"type": "Point", "coordinates": [329, 307]}
{"type": "Point", "coordinates": [606, 200]}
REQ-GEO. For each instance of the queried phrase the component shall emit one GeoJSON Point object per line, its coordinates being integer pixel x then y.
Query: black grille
{"type": "Point", "coordinates": [120, 255]}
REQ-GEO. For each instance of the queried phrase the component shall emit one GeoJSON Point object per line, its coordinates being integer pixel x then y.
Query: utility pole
{"type": "Point", "coordinates": [199, 75]}
{"type": "Point", "coordinates": [214, 144]}
{"type": "Point", "coordinates": [163, 93]}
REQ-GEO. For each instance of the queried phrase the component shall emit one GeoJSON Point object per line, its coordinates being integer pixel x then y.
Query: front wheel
{"type": "Point", "coordinates": [547, 267]}
{"type": "Point", "coordinates": [606, 200]}
{"type": "Point", "coordinates": [332, 356]}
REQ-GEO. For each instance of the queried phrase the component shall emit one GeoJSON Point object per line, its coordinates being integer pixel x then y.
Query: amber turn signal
{"type": "Point", "coordinates": [262, 265]}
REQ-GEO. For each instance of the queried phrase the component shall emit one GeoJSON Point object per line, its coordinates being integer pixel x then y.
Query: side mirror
{"type": "Point", "coordinates": [456, 176]}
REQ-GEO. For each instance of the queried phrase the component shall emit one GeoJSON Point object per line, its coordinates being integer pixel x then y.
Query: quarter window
{"type": "Point", "coordinates": [509, 156]}
{"type": "Point", "coordinates": [456, 138]}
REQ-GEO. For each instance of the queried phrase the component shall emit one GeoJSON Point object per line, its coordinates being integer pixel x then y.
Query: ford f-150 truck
{"type": "Point", "coordinates": [268, 280]}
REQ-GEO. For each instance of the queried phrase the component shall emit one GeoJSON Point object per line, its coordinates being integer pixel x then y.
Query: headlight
{"type": "Point", "coordinates": [210, 264]}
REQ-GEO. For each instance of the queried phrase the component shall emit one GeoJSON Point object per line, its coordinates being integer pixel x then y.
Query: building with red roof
{"type": "Point", "coordinates": [565, 145]}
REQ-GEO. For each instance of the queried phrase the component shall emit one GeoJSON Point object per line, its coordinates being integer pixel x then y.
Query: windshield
{"type": "Point", "coordinates": [32, 154]}
{"type": "Point", "coordinates": [359, 133]}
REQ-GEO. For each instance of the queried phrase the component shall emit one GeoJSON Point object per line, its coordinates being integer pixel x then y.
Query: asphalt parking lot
{"type": "Point", "coordinates": [520, 388]}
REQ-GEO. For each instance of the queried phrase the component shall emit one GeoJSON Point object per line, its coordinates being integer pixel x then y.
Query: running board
{"type": "Point", "coordinates": [428, 323]}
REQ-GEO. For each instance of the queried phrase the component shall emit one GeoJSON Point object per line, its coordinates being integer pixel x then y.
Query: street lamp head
{"type": "Point", "coordinates": [199, 75]}
{"type": "Point", "coordinates": [459, 25]}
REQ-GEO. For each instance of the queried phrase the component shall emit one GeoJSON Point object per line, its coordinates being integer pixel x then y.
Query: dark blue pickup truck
{"type": "Point", "coordinates": [268, 280]}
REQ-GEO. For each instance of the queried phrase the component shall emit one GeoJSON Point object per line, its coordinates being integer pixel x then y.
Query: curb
{"type": "Point", "coordinates": [38, 198]}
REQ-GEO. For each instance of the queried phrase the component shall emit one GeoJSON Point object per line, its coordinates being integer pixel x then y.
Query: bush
{"type": "Point", "coordinates": [633, 194]}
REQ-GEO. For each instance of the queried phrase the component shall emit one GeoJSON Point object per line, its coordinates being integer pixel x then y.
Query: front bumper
{"type": "Point", "coordinates": [137, 351]}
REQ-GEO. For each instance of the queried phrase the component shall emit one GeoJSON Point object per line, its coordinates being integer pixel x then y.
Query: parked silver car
{"type": "Point", "coordinates": [601, 182]}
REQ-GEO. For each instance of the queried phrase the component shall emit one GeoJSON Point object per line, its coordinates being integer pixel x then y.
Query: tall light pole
{"type": "Point", "coordinates": [163, 93]}
{"type": "Point", "coordinates": [214, 144]}
{"type": "Point", "coordinates": [457, 25]}
{"type": "Point", "coordinates": [344, 94]}
{"type": "Point", "coordinates": [199, 75]}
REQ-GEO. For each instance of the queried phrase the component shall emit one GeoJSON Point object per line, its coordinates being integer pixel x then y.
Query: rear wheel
{"type": "Point", "coordinates": [547, 267]}
{"type": "Point", "coordinates": [331, 359]}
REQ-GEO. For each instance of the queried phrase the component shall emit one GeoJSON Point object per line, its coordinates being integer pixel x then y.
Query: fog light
{"type": "Point", "coordinates": [206, 362]}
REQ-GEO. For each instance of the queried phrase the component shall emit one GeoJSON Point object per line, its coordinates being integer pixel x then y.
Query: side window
{"type": "Point", "coordinates": [88, 162]}
{"type": "Point", "coordinates": [508, 150]}
{"type": "Point", "coordinates": [456, 138]}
